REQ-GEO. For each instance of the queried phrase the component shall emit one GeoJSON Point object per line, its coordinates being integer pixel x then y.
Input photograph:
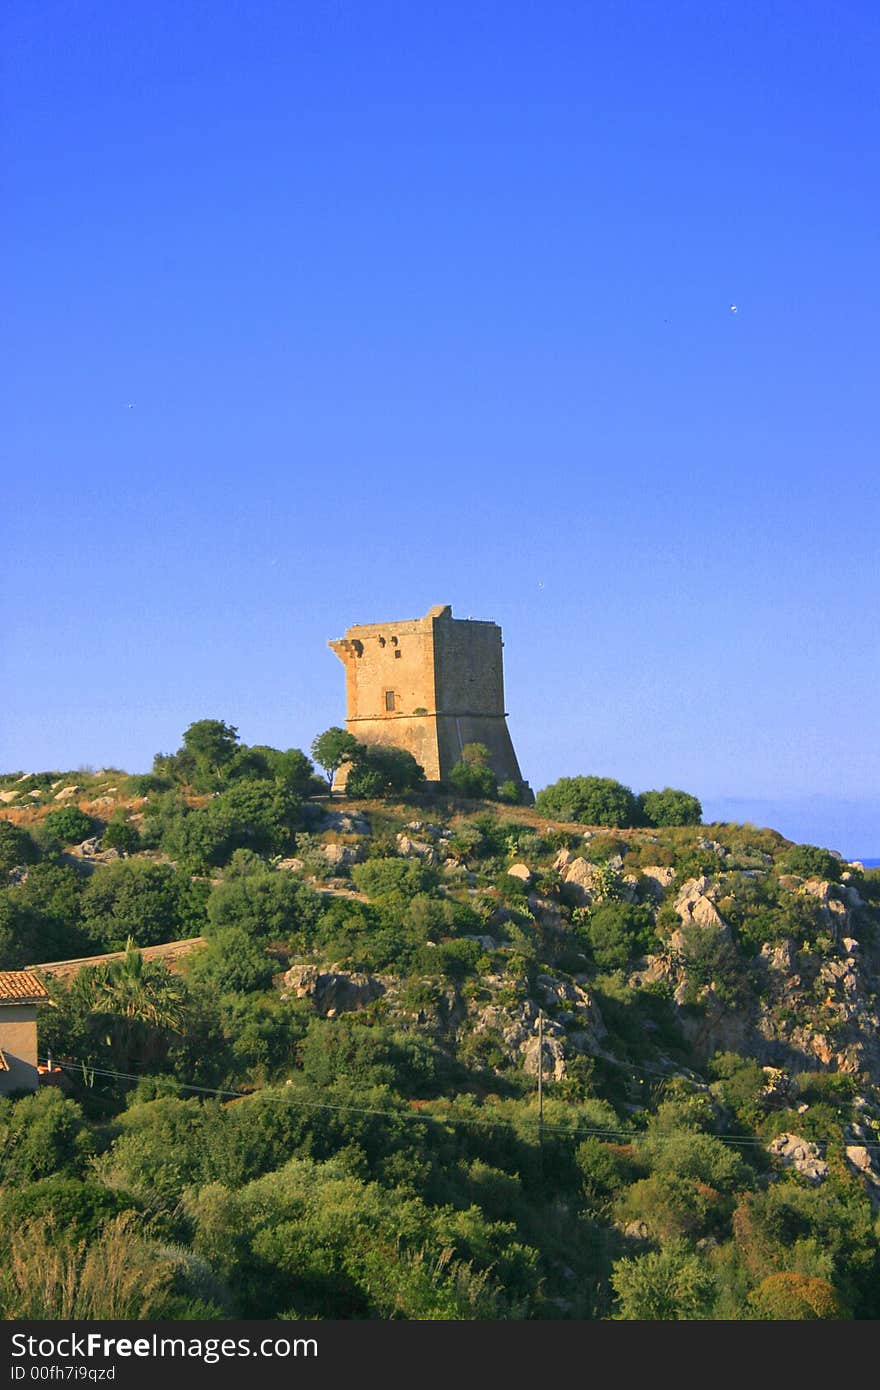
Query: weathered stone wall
{"type": "Point", "coordinates": [428, 685]}
{"type": "Point", "coordinates": [396, 657]}
{"type": "Point", "coordinates": [468, 667]}
{"type": "Point", "coordinates": [18, 1041]}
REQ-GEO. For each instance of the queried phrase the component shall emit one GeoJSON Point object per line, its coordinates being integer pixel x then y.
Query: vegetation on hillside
{"type": "Point", "coordinates": [330, 1108]}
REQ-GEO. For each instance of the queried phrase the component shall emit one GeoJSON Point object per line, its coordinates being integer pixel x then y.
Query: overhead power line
{"type": "Point", "coordinates": [295, 1100]}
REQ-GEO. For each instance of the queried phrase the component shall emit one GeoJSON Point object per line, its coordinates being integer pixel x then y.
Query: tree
{"type": "Point", "coordinates": [790, 1297]}
{"type": "Point", "coordinates": [211, 742]}
{"type": "Point", "coordinates": [260, 816]}
{"type": "Point", "coordinates": [670, 807]}
{"type": "Point", "coordinates": [233, 963]}
{"type": "Point", "coordinates": [16, 847]}
{"type": "Point", "coordinates": [151, 903]}
{"type": "Point", "coordinates": [69, 824]}
{"type": "Point", "coordinates": [209, 748]}
{"type": "Point", "coordinates": [40, 917]}
{"type": "Point", "coordinates": [136, 1005]}
{"type": "Point", "coordinates": [122, 835]}
{"type": "Point", "coordinates": [588, 800]}
{"type": "Point", "coordinates": [671, 1284]}
{"type": "Point", "coordinates": [384, 771]}
{"type": "Point", "coordinates": [268, 904]}
{"type": "Point", "coordinates": [332, 748]}
{"type": "Point", "coordinates": [41, 1135]}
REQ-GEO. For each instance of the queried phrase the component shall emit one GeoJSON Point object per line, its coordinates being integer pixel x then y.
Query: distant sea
{"type": "Point", "coordinates": [870, 863]}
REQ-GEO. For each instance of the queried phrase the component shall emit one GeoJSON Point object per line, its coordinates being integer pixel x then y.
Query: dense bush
{"type": "Point", "coordinates": [233, 962]}
{"type": "Point", "coordinates": [669, 807]}
{"type": "Point", "coordinates": [809, 861]}
{"type": "Point", "coordinates": [267, 904]}
{"type": "Point", "coordinates": [260, 816]}
{"type": "Point", "coordinates": [590, 800]}
{"type": "Point", "coordinates": [16, 847]}
{"type": "Point", "coordinates": [472, 775]}
{"type": "Point", "coordinates": [40, 1136]}
{"type": "Point", "coordinates": [151, 903]}
{"type": "Point", "coordinates": [670, 1284]}
{"type": "Point", "coordinates": [379, 771]}
{"type": "Point", "coordinates": [618, 932]}
{"type": "Point", "coordinates": [70, 825]}
{"type": "Point", "coordinates": [66, 1207]}
{"type": "Point", "coordinates": [122, 835]}
{"type": "Point", "coordinates": [41, 918]}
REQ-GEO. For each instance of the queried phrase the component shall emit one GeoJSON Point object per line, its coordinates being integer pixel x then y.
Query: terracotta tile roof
{"type": "Point", "coordinates": [4, 1065]}
{"type": "Point", "coordinates": [21, 987]}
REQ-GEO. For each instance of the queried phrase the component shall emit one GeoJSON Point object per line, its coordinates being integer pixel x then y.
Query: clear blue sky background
{"type": "Point", "coordinates": [420, 303]}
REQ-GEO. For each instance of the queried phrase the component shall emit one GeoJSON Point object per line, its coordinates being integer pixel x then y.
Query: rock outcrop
{"type": "Point", "coordinates": [332, 991]}
{"type": "Point", "coordinates": [805, 1157]}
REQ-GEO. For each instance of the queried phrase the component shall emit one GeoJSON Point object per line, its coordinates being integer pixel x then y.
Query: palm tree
{"type": "Point", "coordinates": [144, 1003]}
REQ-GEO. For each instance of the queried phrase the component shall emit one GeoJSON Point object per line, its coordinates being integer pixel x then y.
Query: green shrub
{"type": "Point", "coordinates": [472, 775]}
{"type": "Point", "coordinates": [41, 1136]}
{"type": "Point", "coordinates": [379, 771]}
{"type": "Point", "coordinates": [590, 800]}
{"type": "Point", "coordinates": [669, 807]}
{"type": "Point", "coordinates": [671, 1284]}
{"type": "Point", "coordinates": [16, 847]}
{"type": "Point", "coordinates": [233, 962]}
{"type": "Point", "coordinates": [379, 877]}
{"type": "Point", "coordinates": [151, 903]}
{"type": "Point", "coordinates": [121, 834]}
{"type": "Point", "coordinates": [69, 1208]}
{"type": "Point", "coordinates": [475, 783]}
{"type": "Point", "coordinates": [809, 861]}
{"type": "Point", "coordinates": [266, 904]}
{"type": "Point", "coordinates": [260, 816]}
{"type": "Point", "coordinates": [618, 932]}
{"type": "Point", "coordinates": [70, 825]}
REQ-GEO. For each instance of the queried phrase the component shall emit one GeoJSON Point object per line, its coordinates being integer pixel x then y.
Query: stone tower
{"type": "Point", "coordinates": [429, 685]}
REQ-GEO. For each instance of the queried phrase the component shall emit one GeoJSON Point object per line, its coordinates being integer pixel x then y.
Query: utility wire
{"type": "Point", "coordinates": [294, 1101]}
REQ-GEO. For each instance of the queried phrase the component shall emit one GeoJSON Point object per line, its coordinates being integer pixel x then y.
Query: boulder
{"type": "Point", "coordinates": [657, 878]}
{"type": "Point", "coordinates": [332, 991]}
{"type": "Point", "coordinates": [695, 907]}
{"type": "Point", "coordinates": [7, 797]}
{"type": "Point", "coordinates": [340, 856]}
{"type": "Point", "coordinates": [580, 882]}
{"type": "Point", "coordinates": [520, 871]}
{"type": "Point", "coordinates": [346, 822]}
{"type": "Point", "coordinates": [548, 1053]}
{"type": "Point", "coordinates": [415, 849]}
{"type": "Point", "coordinates": [800, 1154]}
{"type": "Point", "coordinates": [68, 791]}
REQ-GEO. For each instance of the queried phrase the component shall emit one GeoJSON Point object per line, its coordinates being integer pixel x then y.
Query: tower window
{"type": "Point", "coordinates": [389, 699]}
{"type": "Point", "coordinates": [397, 651]}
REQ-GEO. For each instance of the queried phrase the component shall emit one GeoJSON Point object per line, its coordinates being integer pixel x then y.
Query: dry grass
{"type": "Point", "coordinates": [116, 1277]}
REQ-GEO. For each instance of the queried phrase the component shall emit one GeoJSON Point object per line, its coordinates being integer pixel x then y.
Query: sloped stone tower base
{"type": "Point", "coordinates": [429, 685]}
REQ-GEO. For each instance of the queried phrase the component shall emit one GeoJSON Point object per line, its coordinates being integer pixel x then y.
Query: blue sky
{"type": "Point", "coordinates": [326, 313]}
